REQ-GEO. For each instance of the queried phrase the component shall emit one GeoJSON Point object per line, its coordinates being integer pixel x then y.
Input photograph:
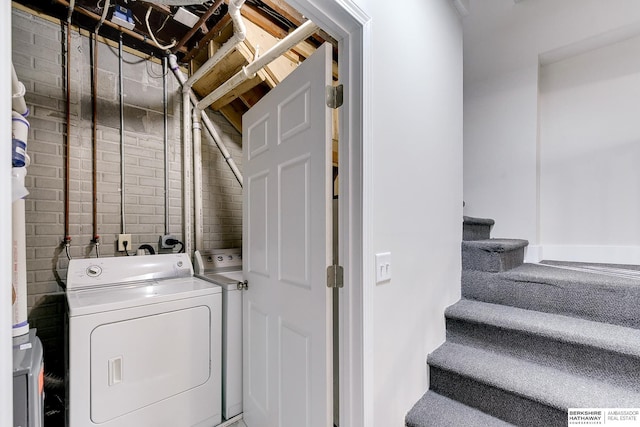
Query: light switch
{"type": "Point", "coordinates": [383, 267]}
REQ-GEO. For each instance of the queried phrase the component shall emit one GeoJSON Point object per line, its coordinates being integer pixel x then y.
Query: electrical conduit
{"type": "Point", "coordinates": [67, 154]}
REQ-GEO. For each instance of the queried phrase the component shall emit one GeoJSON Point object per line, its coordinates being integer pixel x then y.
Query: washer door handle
{"type": "Point", "coordinates": [243, 285]}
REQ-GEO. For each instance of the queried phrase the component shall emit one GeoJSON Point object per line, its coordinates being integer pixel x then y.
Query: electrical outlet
{"type": "Point", "coordinates": [124, 238]}
{"type": "Point", "coordinates": [163, 241]}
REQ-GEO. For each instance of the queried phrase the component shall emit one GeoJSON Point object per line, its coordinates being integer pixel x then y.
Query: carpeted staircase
{"type": "Point", "coordinates": [529, 341]}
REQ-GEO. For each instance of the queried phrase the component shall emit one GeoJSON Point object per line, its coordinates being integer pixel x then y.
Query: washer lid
{"type": "Point", "coordinates": [228, 279]}
{"type": "Point", "coordinates": [115, 297]}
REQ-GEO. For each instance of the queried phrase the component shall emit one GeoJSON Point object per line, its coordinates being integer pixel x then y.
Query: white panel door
{"type": "Point", "coordinates": [287, 199]}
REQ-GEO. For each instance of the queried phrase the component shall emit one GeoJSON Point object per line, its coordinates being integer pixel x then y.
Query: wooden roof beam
{"type": "Point", "coordinates": [199, 24]}
{"type": "Point", "coordinates": [202, 44]}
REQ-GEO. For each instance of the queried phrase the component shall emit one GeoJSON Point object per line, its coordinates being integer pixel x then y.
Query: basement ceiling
{"type": "Point", "coordinates": [193, 32]}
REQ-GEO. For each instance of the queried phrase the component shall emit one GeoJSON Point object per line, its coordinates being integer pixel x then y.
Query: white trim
{"type": "Point", "coordinates": [590, 253]}
{"type": "Point", "coordinates": [6, 366]}
{"type": "Point", "coordinates": [348, 24]}
{"type": "Point", "coordinates": [533, 253]}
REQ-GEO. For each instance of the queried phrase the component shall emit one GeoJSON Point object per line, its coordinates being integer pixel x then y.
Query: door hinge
{"type": "Point", "coordinates": [335, 276]}
{"type": "Point", "coordinates": [335, 96]}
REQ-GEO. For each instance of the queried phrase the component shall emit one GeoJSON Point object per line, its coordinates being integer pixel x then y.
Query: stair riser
{"type": "Point", "coordinates": [477, 259]}
{"type": "Point", "coordinates": [603, 364]}
{"type": "Point", "coordinates": [494, 401]}
{"type": "Point", "coordinates": [618, 308]}
{"type": "Point", "coordinates": [476, 232]}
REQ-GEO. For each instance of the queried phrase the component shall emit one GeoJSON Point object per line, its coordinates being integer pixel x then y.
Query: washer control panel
{"type": "Point", "coordinates": [221, 258]}
{"type": "Point", "coordinates": [89, 272]}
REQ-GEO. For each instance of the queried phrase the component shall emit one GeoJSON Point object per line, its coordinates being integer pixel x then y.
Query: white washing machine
{"type": "Point", "coordinates": [224, 268]}
{"type": "Point", "coordinates": [144, 343]}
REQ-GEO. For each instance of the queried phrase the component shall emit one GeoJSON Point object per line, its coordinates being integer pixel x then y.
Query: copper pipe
{"type": "Point", "coordinates": [67, 238]}
{"type": "Point", "coordinates": [94, 135]}
{"type": "Point", "coordinates": [130, 33]}
{"type": "Point", "coordinates": [195, 28]}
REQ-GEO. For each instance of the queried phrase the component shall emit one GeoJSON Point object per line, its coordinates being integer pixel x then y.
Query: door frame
{"type": "Point", "coordinates": [351, 27]}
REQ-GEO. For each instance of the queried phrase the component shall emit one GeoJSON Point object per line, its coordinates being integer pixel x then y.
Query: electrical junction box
{"type": "Point", "coordinates": [123, 17]}
{"type": "Point", "coordinates": [185, 17]}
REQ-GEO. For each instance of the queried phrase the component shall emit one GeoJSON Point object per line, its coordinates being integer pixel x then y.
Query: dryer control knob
{"type": "Point", "coordinates": [94, 271]}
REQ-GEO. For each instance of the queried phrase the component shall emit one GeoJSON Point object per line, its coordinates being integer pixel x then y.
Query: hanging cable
{"type": "Point", "coordinates": [146, 20]}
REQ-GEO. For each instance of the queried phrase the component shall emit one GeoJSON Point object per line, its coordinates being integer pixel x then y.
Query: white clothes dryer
{"type": "Point", "coordinates": [144, 343]}
{"type": "Point", "coordinates": [224, 268]}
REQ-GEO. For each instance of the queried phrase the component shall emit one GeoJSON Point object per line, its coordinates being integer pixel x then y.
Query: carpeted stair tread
{"type": "Point", "coordinates": [556, 327]}
{"type": "Point", "coordinates": [477, 221]}
{"type": "Point", "coordinates": [596, 297]}
{"type": "Point", "coordinates": [542, 384]}
{"type": "Point", "coordinates": [495, 245]}
{"type": "Point", "coordinates": [434, 410]}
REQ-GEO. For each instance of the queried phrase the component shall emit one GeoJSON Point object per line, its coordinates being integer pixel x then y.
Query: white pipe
{"type": "Point", "coordinates": [19, 258]}
{"type": "Point", "coordinates": [197, 180]}
{"type": "Point", "coordinates": [18, 103]}
{"type": "Point", "coordinates": [105, 10]}
{"type": "Point", "coordinates": [207, 122]}
{"type": "Point", "coordinates": [301, 33]}
{"type": "Point", "coordinates": [72, 6]}
{"type": "Point", "coordinates": [239, 34]}
{"type": "Point", "coordinates": [186, 170]}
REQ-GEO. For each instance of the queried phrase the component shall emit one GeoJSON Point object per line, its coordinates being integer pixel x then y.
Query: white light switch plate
{"type": "Point", "coordinates": [383, 267]}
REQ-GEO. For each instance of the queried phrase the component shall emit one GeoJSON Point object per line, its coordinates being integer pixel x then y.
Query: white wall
{"type": "Point", "coordinates": [416, 154]}
{"type": "Point", "coordinates": [589, 151]}
{"type": "Point", "coordinates": [503, 41]}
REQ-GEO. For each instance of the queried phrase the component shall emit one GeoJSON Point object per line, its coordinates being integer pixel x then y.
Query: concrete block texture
{"type": "Point", "coordinates": [38, 57]}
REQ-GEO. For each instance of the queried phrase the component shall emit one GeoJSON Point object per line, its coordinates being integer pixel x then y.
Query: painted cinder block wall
{"type": "Point", "coordinates": [38, 59]}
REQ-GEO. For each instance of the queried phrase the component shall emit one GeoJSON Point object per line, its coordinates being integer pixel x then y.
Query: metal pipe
{"type": "Point", "coordinates": [166, 144]}
{"type": "Point", "coordinates": [197, 181]}
{"type": "Point", "coordinates": [301, 33]}
{"type": "Point", "coordinates": [94, 141]}
{"type": "Point", "coordinates": [122, 151]}
{"type": "Point", "coordinates": [239, 34]}
{"type": "Point", "coordinates": [207, 122]}
{"type": "Point", "coordinates": [67, 154]}
{"type": "Point", "coordinates": [186, 170]}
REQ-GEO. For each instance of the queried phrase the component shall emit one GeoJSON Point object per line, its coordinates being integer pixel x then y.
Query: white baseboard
{"type": "Point", "coordinates": [584, 253]}
{"type": "Point", "coordinates": [533, 253]}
